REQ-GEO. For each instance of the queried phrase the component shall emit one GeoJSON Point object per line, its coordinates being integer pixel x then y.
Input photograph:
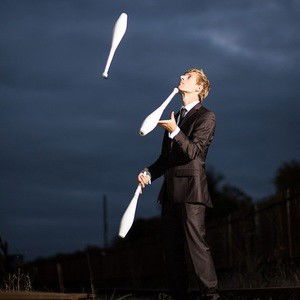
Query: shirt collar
{"type": "Point", "coordinates": [189, 106]}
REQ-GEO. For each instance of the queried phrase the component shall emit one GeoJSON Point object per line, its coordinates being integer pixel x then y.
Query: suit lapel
{"type": "Point", "coordinates": [191, 112]}
{"type": "Point", "coordinates": [197, 107]}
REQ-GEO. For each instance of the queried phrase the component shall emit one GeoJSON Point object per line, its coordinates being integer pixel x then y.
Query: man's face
{"type": "Point", "coordinates": [188, 83]}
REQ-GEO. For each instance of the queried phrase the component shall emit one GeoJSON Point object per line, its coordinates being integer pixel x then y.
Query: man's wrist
{"type": "Point", "coordinates": [174, 133]}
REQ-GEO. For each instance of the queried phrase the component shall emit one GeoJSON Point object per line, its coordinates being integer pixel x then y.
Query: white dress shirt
{"type": "Point", "coordinates": [188, 107]}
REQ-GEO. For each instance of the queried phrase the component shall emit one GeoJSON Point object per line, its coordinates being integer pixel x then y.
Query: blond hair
{"type": "Point", "coordinates": [203, 80]}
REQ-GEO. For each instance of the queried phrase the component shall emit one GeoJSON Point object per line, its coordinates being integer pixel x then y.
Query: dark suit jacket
{"type": "Point", "coordinates": [182, 159]}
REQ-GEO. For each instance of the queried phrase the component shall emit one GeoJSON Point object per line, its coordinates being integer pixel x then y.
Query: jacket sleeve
{"type": "Point", "coordinates": [160, 166]}
{"type": "Point", "coordinates": [201, 137]}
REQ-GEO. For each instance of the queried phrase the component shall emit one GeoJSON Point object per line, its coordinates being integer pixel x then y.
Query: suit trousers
{"type": "Point", "coordinates": [183, 227]}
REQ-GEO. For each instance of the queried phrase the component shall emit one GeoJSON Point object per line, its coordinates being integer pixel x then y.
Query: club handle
{"type": "Point", "coordinates": [168, 100]}
{"type": "Point", "coordinates": [108, 63]}
{"type": "Point", "coordinates": [151, 120]}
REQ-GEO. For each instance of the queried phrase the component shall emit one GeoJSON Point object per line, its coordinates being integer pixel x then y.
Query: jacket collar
{"type": "Point", "coordinates": [192, 112]}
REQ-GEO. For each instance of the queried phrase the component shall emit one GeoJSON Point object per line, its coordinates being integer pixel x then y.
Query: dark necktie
{"type": "Point", "coordinates": [182, 115]}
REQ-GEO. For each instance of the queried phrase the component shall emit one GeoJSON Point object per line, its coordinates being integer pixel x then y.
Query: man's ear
{"type": "Point", "coordinates": [199, 88]}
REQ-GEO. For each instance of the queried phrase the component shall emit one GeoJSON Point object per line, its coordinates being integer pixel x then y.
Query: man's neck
{"type": "Point", "coordinates": [189, 98]}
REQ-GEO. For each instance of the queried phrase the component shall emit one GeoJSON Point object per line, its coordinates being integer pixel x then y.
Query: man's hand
{"type": "Point", "coordinates": [169, 125]}
{"type": "Point", "coordinates": [144, 179]}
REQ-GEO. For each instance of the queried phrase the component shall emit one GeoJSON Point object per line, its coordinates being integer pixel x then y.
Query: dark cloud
{"type": "Point", "coordinates": [68, 136]}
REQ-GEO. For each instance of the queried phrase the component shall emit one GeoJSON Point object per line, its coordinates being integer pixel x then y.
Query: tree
{"type": "Point", "coordinates": [287, 178]}
{"type": "Point", "coordinates": [3, 259]}
{"type": "Point", "coordinates": [213, 182]}
{"type": "Point", "coordinates": [226, 198]}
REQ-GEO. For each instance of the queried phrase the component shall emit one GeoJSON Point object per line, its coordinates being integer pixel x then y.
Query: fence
{"type": "Point", "coordinates": [253, 248]}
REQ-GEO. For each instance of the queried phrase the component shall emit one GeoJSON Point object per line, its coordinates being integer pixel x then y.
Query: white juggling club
{"type": "Point", "coordinates": [118, 33]}
{"type": "Point", "coordinates": [151, 121]}
{"type": "Point", "coordinates": [128, 217]}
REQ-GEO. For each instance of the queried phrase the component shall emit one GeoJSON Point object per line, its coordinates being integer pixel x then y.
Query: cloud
{"type": "Point", "coordinates": [68, 136]}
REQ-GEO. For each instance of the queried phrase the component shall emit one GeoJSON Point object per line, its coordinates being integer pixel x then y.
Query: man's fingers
{"type": "Point", "coordinates": [147, 179]}
{"type": "Point", "coordinates": [140, 180]}
{"type": "Point", "coordinates": [142, 183]}
{"type": "Point", "coordinates": [143, 179]}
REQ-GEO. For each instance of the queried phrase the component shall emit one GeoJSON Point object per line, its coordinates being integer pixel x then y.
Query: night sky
{"type": "Point", "coordinates": [68, 136]}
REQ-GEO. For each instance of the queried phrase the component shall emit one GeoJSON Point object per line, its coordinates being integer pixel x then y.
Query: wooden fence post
{"type": "Point", "coordinates": [91, 272]}
{"type": "Point", "coordinates": [60, 277]}
{"type": "Point", "coordinates": [289, 229]}
{"type": "Point", "coordinates": [257, 230]}
{"type": "Point", "coordinates": [229, 239]}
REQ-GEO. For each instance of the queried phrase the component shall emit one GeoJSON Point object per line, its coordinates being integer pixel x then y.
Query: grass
{"type": "Point", "coordinates": [17, 281]}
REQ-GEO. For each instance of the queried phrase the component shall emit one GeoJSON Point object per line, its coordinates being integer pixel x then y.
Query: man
{"type": "Point", "coordinates": [184, 194]}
